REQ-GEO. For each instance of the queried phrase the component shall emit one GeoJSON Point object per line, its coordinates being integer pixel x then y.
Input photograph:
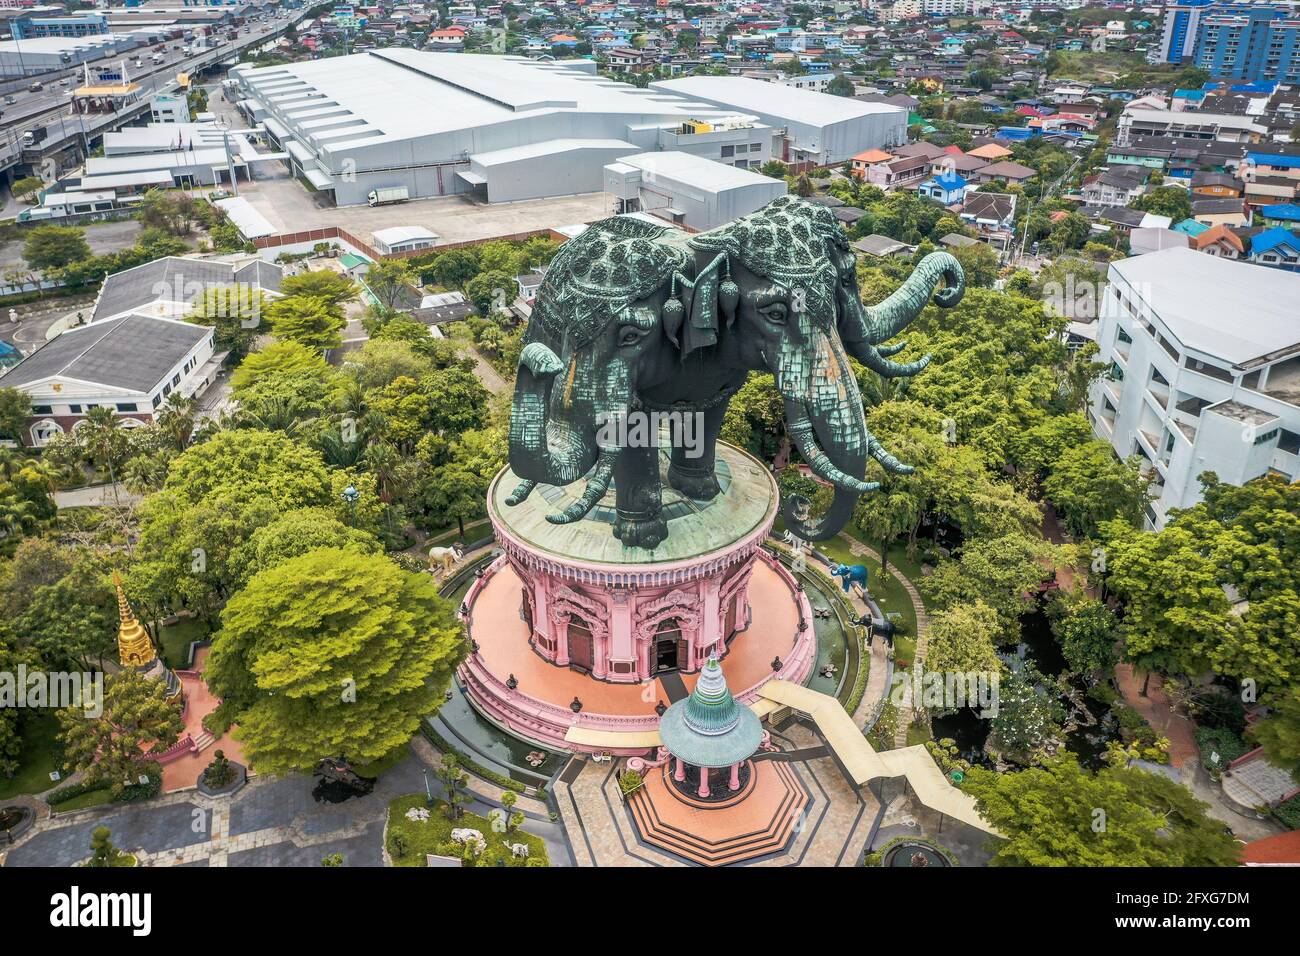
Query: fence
{"type": "Point", "coordinates": [329, 233]}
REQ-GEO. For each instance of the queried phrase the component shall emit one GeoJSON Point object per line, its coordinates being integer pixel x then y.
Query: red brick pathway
{"type": "Point", "coordinates": [1156, 709]}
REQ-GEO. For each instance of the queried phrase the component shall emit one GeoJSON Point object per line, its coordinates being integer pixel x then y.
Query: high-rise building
{"type": "Point", "coordinates": [1242, 41]}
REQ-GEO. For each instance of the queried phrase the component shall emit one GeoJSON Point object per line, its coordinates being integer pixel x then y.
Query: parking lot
{"type": "Point", "coordinates": [290, 207]}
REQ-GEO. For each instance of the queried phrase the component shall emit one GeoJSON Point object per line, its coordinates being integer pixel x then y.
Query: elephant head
{"type": "Point", "coordinates": [596, 336]}
{"type": "Point", "coordinates": [789, 303]}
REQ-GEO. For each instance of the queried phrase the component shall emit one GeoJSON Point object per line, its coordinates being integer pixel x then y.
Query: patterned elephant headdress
{"type": "Point", "coordinates": [595, 276]}
{"type": "Point", "coordinates": [787, 241]}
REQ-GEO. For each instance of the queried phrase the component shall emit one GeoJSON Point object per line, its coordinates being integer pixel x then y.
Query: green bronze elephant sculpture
{"type": "Point", "coordinates": [633, 317]}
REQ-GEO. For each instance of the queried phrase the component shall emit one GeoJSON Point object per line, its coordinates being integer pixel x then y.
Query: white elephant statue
{"type": "Point", "coordinates": [470, 835]}
{"type": "Point", "coordinates": [445, 557]}
{"type": "Point", "coordinates": [519, 850]}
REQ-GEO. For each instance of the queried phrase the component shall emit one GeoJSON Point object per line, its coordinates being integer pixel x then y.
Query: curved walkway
{"type": "Point", "coordinates": [877, 686]}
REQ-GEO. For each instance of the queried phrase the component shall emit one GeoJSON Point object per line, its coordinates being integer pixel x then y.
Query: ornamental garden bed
{"type": "Point", "coordinates": [409, 840]}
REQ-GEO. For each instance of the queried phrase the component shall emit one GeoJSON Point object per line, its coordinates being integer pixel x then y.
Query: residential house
{"type": "Point", "coordinates": [1221, 212]}
{"type": "Point", "coordinates": [1115, 187]}
{"type": "Point", "coordinates": [1007, 171]}
{"type": "Point", "coordinates": [947, 188]}
{"type": "Point", "coordinates": [1219, 241]}
{"type": "Point", "coordinates": [1277, 248]}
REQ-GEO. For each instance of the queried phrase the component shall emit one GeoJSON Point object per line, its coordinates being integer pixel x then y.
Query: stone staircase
{"type": "Point", "coordinates": [202, 742]}
{"type": "Point", "coordinates": [773, 836]}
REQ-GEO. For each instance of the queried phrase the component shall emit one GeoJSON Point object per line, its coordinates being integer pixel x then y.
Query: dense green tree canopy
{"type": "Point", "coordinates": [1061, 815]}
{"type": "Point", "coordinates": [332, 652]}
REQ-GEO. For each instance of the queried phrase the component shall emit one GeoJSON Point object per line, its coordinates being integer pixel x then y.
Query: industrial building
{"type": "Point", "coordinates": [1188, 392]}
{"type": "Point", "coordinates": [46, 54]}
{"type": "Point", "coordinates": [814, 128]}
{"type": "Point", "coordinates": [687, 190]}
{"type": "Point", "coordinates": [506, 128]}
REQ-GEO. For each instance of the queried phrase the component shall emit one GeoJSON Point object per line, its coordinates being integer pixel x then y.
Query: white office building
{"type": "Point", "coordinates": [1204, 357]}
{"type": "Point", "coordinates": [506, 128]}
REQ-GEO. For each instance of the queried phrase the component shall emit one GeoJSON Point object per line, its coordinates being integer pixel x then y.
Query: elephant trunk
{"type": "Point", "coordinates": [547, 448]}
{"type": "Point", "coordinates": [879, 323]}
{"type": "Point", "coordinates": [825, 421]}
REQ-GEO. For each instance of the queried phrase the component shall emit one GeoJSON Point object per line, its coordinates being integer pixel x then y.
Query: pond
{"type": "Point", "coordinates": [1096, 725]}
{"type": "Point", "coordinates": [914, 853]}
{"type": "Point", "coordinates": [832, 641]}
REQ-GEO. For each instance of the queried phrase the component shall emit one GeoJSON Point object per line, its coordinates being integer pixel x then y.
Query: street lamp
{"type": "Point", "coordinates": [351, 496]}
{"type": "Point", "coordinates": [428, 793]}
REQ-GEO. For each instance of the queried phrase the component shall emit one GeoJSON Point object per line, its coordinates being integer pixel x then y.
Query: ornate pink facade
{"type": "Point", "coordinates": [597, 633]}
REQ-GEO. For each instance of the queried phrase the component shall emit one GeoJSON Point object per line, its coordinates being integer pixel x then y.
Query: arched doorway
{"type": "Point", "coordinates": [582, 652]}
{"type": "Point", "coordinates": [669, 650]}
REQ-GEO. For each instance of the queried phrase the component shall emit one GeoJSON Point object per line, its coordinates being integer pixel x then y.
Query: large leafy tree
{"type": "Point", "coordinates": [1090, 485]}
{"type": "Point", "coordinates": [333, 652]}
{"type": "Point", "coordinates": [295, 533]}
{"type": "Point", "coordinates": [1061, 815]}
{"type": "Point", "coordinates": [53, 247]}
{"type": "Point", "coordinates": [235, 311]}
{"type": "Point", "coordinates": [73, 622]}
{"type": "Point", "coordinates": [114, 747]}
{"type": "Point", "coordinates": [1218, 589]}
{"type": "Point", "coordinates": [963, 639]}
{"type": "Point", "coordinates": [312, 321]}
{"type": "Point", "coordinates": [216, 495]}
{"type": "Point", "coordinates": [1087, 631]}
{"type": "Point", "coordinates": [1001, 572]}
{"type": "Point", "coordinates": [334, 287]}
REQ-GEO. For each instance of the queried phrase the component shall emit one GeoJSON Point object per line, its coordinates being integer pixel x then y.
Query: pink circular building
{"type": "Point", "coordinates": [572, 629]}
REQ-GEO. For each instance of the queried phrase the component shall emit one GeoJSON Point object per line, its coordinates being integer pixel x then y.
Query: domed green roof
{"type": "Point", "coordinates": [709, 729]}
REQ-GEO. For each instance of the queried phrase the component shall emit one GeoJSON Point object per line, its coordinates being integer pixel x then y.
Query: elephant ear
{"type": "Point", "coordinates": [701, 330]}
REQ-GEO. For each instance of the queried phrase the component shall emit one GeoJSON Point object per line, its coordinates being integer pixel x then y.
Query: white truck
{"type": "Point", "coordinates": [391, 194]}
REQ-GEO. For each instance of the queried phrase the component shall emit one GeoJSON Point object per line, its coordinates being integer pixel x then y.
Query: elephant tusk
{"type": "Point", "coordinates": [801, 432]}
{"type": "Point", "coordinates": [597, 485]}
{"type": "Point", "coordinates": [888, 350]}
{"type": "Point", "coordinates": [521, 492]}
{"type": "Point", "coordinates": [540, 360]}
{"type": "Point", "coordinates": [889, 462]}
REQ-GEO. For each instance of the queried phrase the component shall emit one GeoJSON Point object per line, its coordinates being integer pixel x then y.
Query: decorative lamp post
{"type": "Point", "coordinates": [351, 496]}
{"type": "Point", "coordinates": [575, 705]}
{"type": "Point", "coordinates": [512, 682]}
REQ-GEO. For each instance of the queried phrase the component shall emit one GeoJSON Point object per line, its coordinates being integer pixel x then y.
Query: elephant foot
{"type": "Point", "coordinates": [699, 485]}
{"type": "Point", "coordinates": [645, 533]}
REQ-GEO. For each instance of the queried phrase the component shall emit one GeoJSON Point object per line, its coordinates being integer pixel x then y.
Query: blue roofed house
{"type": "Point", "coordinates": [946, 188]}
{"type": "Point", "coordinates": [1279, 213]}
{"type": "Point", "coordinates": [1277, 248]}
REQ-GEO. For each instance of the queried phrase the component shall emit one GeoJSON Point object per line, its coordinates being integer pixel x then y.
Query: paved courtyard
{"type": "Point", "coordinates": [289, 207]}
{"type": "Point", "coordinates": [271, 822]}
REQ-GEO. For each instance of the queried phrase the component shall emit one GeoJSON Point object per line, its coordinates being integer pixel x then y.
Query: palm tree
{"type": "Point", "coordinates": [177, 420]}
{"type": "Point", "coordinates": [104, 442]}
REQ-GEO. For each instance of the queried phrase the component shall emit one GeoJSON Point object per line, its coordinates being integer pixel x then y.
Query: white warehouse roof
{"type": "Point", "coordinates": [694, 171]}
{"type": "Point", "coordinates": [776, 99]}
{"type": "Point", "coordinates": [1194, 295]}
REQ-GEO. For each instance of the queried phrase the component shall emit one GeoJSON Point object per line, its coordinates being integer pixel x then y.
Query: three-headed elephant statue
{"type": "Point", "coordinates": [634, 318]}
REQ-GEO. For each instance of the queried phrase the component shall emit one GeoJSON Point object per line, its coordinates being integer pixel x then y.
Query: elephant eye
{"type": "Point", "coordinates": [629, 337]}
{"type": "Point", "coordinates": [776, 312]}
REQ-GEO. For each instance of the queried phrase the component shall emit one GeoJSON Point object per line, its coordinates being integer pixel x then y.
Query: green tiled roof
{"type": "Point", "coordinates": [709, 729]}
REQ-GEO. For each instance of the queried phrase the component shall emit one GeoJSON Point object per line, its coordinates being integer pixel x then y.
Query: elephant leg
{"type": "Point", "coordinates": [640, 522]}
{"type": "Point", "coordinates": [695, 453]}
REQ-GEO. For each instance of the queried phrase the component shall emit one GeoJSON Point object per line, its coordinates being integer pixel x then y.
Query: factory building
{"type": "Point", "coordinates": [814, 128]}
{"type": "Point", "coordinates": [505, 128]}
{"type": "Point", "coordinates": [687, 190]}
{"type": "Point", "coordinates": [46, 54]}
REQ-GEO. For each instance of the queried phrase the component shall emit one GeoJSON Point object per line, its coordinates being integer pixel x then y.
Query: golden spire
{"type": "Point", "coordinates": [134, 649]}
